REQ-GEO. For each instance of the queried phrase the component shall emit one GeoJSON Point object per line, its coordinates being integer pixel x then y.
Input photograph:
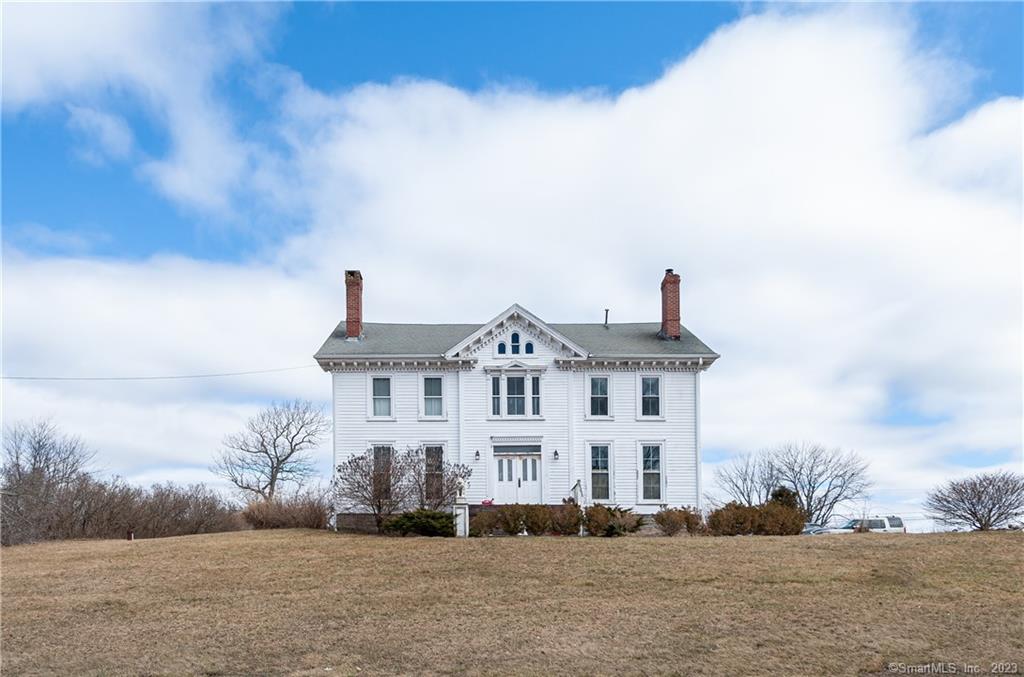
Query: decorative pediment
{"type": "Point", "coordinates": [516, 315]}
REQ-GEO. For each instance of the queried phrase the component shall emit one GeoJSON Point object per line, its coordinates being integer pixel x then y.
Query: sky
{"type": "Point", "coordinates": [840, 187]}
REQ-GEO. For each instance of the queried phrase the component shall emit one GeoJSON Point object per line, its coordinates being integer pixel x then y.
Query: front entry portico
{"type": "Point", "coordinates": [517, 474]}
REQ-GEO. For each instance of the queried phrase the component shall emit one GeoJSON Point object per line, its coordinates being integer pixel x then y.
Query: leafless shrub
{"type": "Point", "coordinates": [983, 502]}
{"type": "Point", "coordinates": [48, 493]}
{"type": "Point", "coordinates": [274, 449]}
{"type": "Point", "coordinates": [384, 482]}
{"type": "Point", "coordinates": [307, 509]}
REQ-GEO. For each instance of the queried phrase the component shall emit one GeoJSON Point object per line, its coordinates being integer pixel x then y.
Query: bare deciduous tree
{"type": "Point", "coordinates": [435, 482]}
{"type": "Point", "coordinates": [40, 466]}
{"type": "Point", "coordinates": [982, 502]}
{"type": "Point", "coordinates": [274, 449]}
{"type": "Point", "coordinates": [822, 478]}
{"type": "Point", "coordinates": [748, 479]}
{"type": "Point", "coordinates": [376, 480]}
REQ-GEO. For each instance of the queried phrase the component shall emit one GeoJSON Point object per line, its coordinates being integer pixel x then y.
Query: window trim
{"type": "Point", "coordinates": [586, 397]}
{"type": "Point", "coordinates": [590, 472]}
{"type": "Point", "coordinates": [640, 376]}
{"type": "Point", "coordinates": [444, 453]}
{"type": "Point", "coordinates": [421, 378]}
{"type": "Point", "coordinates": [370, 376]}
{"type": "Point", "coordinates": [503, 375]}
{"type": "Point", "coordinates": [663, 471]}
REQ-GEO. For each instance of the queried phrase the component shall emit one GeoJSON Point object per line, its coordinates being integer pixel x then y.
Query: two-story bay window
{"type": "Point", "coordinates": [651, 464]}
{"type": "Point", "coordinates": [600, 476]}
{"type": "Point", "coordinates": [535, 395]}
{"type": "Point", "coordinates": [515, 389]}
{"type": "Point", "coordinates": [599, 398]}
{"type": "Point", "coordinates": [381, 396]}
{"type": "Point", "coordinates": [433, 396]}
{"type": "Point", "coordinates": [650, 396]}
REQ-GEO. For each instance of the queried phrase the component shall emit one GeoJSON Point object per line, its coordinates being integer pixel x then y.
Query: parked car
{"type": "Point", "coordinates": [811, 529]}
{"type": "Point", "coordinates": [888, 524]}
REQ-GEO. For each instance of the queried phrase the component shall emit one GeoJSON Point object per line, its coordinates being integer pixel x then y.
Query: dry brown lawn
{"type": "Point", "coordinates": [315, 602]}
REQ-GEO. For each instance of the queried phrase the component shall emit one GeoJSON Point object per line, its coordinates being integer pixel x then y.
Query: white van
{"type": "Point", "coordinates": [888, 524]}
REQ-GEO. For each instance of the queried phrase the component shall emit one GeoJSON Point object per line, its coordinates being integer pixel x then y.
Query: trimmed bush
{"type": "Point", "coordinates": [422, 522]}
{"type": "Point", "coordinates": [601, 520]}
{"type": "Point", "coordinates": [510, 519]}
{"type": "Point", "coordinates": [483, 523]}
{"type": "Point", "coordinates": [776, 519]}
{"type": "Point", "coordinates": [733, 519]}
{"type": "Point", "coordinates": [537, 519]}
{"type": "Point", "coordinates": [306, 511]}
{"type": "Point", "coordinates": [566, 519]}
{"type": "Point", "coordinates": [671, 520]}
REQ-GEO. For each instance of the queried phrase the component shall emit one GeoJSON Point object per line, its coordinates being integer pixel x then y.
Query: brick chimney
{"type": "Point", "coordinates": [669, 306]}
{"type": "Point", "coordinates": [353, 304]}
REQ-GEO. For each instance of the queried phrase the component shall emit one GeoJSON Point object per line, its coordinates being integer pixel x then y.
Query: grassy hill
{"type": "Point", "coordinates": [316, 602]}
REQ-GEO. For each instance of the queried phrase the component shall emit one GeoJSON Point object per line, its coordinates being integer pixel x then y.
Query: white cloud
{"type": "Point", "coordinates": [167, 56]}
{"type": "Point", "coordinates": [105, 135]}
{"type": "Point", "coordinates": [837, 248]}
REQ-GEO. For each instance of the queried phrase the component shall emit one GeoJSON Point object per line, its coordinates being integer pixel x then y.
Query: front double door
{"type": "Point", "coordinates": [518, 478]}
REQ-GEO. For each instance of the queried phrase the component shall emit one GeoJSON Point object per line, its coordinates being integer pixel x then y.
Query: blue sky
{"type": "Point", "coordinates": [839, 185]}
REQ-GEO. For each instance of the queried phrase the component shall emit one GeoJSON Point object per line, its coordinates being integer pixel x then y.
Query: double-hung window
{"type": "Point", "coordinates": [650, 396]}
{"type": "Point", "coordinates": [535, 395]}
{"type": "Point", "coordinates": [599, 399]}
{"type": "Point", "coordinates": [515, 387]}
{"type": "Point", "coordinates": [651, 460]}
{"type": "Point", "coordinates": [433, 396]}
{"type": "Point", "coordinates": [600, 477]}
{"type": "Point", "coordinates": [495, 396]}
{"type": "Point", "coordinates": [433, 472]}
{"type": "Point", "coordinates": [381, 396]}
{"type": "Point", "coordinates": [383, 456]}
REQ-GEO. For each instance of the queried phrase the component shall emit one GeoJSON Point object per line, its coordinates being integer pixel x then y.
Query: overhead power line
{"type": "Point", "coordinates": [153, 378]}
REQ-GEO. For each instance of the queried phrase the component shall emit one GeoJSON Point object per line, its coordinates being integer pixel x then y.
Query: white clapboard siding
{"type": "Point", "coordinates": [559, 429]}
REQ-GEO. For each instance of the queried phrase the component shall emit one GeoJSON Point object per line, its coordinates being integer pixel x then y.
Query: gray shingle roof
{"type": "Point", "coordinates": [632, 339]}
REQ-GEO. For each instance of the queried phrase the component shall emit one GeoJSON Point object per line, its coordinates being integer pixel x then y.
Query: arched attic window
{"type": "Point", "coordinates": [501, 348]}
{"type": "Point", "coordinates": [515, 343]}
{"type": "Point", "coordinates": [529, 347]}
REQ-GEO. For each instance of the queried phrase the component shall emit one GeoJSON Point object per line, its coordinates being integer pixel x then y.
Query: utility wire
{"type": "Point", "coordinates": [151, 378]}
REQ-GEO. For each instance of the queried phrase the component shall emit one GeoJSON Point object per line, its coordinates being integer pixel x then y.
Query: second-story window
{"type": "Point", "coordinates": [433, 396]}
{"type": "Point", "coordinates": [516, 400]}
{"type": "Point", "coordinates": [535, 395]}
{"type": "Point", "coordinates": [598, 395]}
{"type": "Point", "coordinates": [495, 396]}
{"type": "Point", "coordinates": [381, 396]}
{"type": "Point", "coordinates": [650, 396]}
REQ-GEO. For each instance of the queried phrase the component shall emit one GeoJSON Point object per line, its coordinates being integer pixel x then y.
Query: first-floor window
{"type": "Point", "coordinates": [382, 457]}
{"type": "Point", "coordinates": [382, 396]}
{"type": "Point", "coordinates": [600, 486]}
{"type": "Point", "coordinates": [652, 472]}
{"type": "Point", "coordinates": [433, 472]}
{"type": "Point", "coordinates": [433, 397]}
{"type": "Point", "coordinates": [535, 394]}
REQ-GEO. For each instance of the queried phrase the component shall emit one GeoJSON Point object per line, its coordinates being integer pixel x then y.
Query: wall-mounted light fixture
{"type": "Point", "coordinates": [556, 454]}
{"type": "Point", "coordinates": [477, 455]}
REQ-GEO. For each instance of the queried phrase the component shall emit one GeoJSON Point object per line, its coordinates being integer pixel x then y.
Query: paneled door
{"type": "Point", "coordinates": [518, 479]}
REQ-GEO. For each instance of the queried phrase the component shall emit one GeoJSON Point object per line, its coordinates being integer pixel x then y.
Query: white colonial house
{"type": "Point", "coordinates": [605, 413]}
